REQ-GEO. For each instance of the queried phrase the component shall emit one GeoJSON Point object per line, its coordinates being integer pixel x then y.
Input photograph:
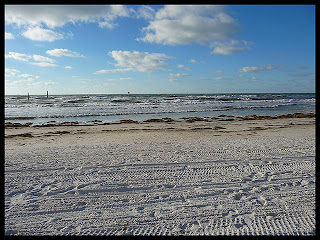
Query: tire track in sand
{"type": "Point", "coordinates": [179, 190]}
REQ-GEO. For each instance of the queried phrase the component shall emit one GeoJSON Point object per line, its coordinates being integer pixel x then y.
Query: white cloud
{"type": "Point", "coordinates": [68, 67]}
{"type": "Point", "coordinates": [113, 70]}
{"type": "Point", "coordinates": [250, 69]}
{"type": "Point", "coordinates": [63, 52]}
{"type": "Point", "coordinates": [8, 36]}
{"type": "Point", "coordinates": [43, 64]}
{"type": "Point", "coordinates": [193, 60]}
{"type": "Point", "coordinates": [58, 15]}
{"type": "Point", "coordinates": [145, 12]}
{"type": "Point", "coordinates": [24, 78]}
{"type": "Point", "coordinates": [183, 67]}
{"type": "Point", "coordinates": [45, 83]}
{"type": "Point", "coordinates": [178, 74]}
{"type": "Point", "coordinates": [208, 25]}
{"type": "Point", "coordinates": [25, 75]}
{"type": "Point", "coordinates": [107, 24]}
{"type": "Point", "coordinates": [43, 35]}
{"type": "Point", "coordinates": [138, 61]}
{"type": "Point", "coordinates": [120, 79]}
{"type": "Point", "coordinates": [9, 72]}
{"type": "Point", "coordinates": [174, 80]}
{"type": "Point", "coordinates": [21, 81]}
{"type": "Point", "coordinates": [222, 78]}
{"type": "Point", "coordinates": [174, 77]}
{"type": "Point", "coordinates": [230, 47]}
{"type": "Point", "coordinates": [18, 56]}
{"type": "Point", "coordinates": [40, 58]}
{"type": "Point", "coordinates": [42, 61]}
{"type": "Point", "coordinates": [176, 11]}
{"type": "Point", "coordinates": [185, 24]}
{"type": "Point", "coordinates": [258, 68]}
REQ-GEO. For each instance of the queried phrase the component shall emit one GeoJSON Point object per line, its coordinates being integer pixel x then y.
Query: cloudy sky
{"type": "Point", "coordinates": [70, 49]}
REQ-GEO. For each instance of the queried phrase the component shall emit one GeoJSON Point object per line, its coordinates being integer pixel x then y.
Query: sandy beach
{"type": "Point", "coordinates": [240, 177]}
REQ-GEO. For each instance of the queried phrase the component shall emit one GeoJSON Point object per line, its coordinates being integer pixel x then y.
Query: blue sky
{"type": "Point", "coordinates": [112, 49]}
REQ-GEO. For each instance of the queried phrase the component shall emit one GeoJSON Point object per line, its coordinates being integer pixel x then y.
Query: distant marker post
{"type": "Point", "coordinates": [47, 94]}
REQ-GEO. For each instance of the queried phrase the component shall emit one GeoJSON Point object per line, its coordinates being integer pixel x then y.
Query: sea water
{"type": "Point", "coordinates": [114, 107]}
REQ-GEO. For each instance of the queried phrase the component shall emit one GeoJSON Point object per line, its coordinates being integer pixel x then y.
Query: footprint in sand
{"type": "Point", "coordinates": [154, 214]}
{"type": "Point", "coordinates": [18, 199]}
{"type": "Point", "coordinates": [54, 219]}
{"type": "Point", "coordinates": [260, 200]}
{"type": "Point", "coordinates": [230, 213]}
{"type": "Point", "coordinates": [240, 196]}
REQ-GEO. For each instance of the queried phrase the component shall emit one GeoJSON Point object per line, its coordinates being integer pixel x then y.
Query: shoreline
{"type": "Point", "coordinates": [236, 127]}
{"type": "Point", "coordinates": [222, 117]}
{"type": "Point", "coordinates": [66, 134]}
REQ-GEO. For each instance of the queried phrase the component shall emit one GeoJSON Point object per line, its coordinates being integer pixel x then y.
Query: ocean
{"type": "Point", "coordinates": [114, 107]}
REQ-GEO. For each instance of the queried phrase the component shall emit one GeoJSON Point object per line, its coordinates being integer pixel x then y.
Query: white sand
{"type": "Point", "coordinates": [185, 180]}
